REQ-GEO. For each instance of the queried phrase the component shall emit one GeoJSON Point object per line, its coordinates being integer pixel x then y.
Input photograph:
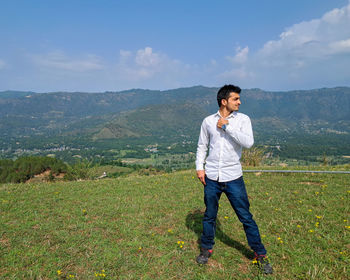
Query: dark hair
{"type": "Point", "coordinates": [225, 91]}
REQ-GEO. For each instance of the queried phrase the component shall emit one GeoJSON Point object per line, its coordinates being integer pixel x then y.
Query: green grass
{"type": "Point", "coordinates": [130, 227]}
{"type": "Point", "coordinates": [97, 171]}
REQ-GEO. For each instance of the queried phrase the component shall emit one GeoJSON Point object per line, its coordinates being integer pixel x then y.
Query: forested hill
{"type": "Point", "coordinates": [27, 113]}
{"type": "Point", "coordinates": [325, 103]}
{"type": "Point", "coordinates": [80, 104]}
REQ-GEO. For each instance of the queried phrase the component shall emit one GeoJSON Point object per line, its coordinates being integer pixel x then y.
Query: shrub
{"type": "Point", "coordinates": [24, 168]}
{"type": "Point", "coordinates": [80, 170]}
{"type": "Point", "coordinates": [253, 156]}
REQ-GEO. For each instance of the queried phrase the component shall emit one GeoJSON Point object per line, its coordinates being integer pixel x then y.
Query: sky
{"type": "Point", "coordinates": [114, 45]}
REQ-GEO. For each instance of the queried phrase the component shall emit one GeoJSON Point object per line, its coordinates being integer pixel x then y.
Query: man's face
{"type": "Point", "coordinates": [233, 102]}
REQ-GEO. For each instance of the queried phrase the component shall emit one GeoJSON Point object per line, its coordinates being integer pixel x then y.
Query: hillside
{"type": "Point", "coordinates": [134, 227]}
{"type": "Point", "coordinates": [63, 112]}
{"type": "Point", "coordinates": [315, 119]}
{"type": "Point", "coordinates": [161, 121]}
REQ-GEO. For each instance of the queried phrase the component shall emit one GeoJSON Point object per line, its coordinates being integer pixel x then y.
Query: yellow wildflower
{"type": "Point", "coordinates": [310, 210]}
{"type": "Point", "coordinates": [318, 217]}
{"type": "Point", "coordinates": [348, 227]}
{"type": "Point", "coordinates": [180, 243]}
{"type": "Point", "coordinates": [298, 226]}
{"type": "Point", "coordinates": [100, 274]}
{"type": "Point", "coordinates": [59, 272]}
{"type": "Point", "coordinates": [254, 261]}
{"type": "Point", "coordinates": [280, 239]}
{"type": "Point", "coordinates": [311, 230]}
{"type": "Point", "coordinates": [345, 221]}
{"type": "Point", "coordinates": [226, 217]}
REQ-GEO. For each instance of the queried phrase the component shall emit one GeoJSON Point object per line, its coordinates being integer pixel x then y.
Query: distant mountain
{"type": "Point", "coordinates": [80, 104]}
{"type": "Point", "coordinates": [138, 113]}
{"type": "Point", "coordinates": [64, 112]}
{"type": "Point", "coordinates": [15, 94]}
{"type": "Point", "coordinates": [161, 121]}
{"type": "Point", "coordinates": [329, 104]}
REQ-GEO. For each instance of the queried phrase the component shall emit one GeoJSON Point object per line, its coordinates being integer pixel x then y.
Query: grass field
{"type": "Point", "coordinates": [147, 227]}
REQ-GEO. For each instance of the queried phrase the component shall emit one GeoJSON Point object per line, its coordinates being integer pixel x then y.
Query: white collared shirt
{"type": "Point", "coordinates": [225, 147]}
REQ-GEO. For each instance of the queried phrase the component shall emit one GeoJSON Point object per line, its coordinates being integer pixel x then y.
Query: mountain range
{"type": "Point", "coordinates": [171, 114]}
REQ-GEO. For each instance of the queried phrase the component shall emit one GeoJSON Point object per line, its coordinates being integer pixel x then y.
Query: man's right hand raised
{"type": "Point", "coordinates": [201, 176]}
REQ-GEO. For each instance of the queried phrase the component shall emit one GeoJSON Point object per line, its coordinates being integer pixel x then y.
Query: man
{"type": "Point", "coordinates": [225, 134]}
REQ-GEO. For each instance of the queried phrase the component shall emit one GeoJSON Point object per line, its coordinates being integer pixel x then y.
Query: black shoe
{"type": "Point", "coordinates": [263, 263]}
{"type": "Point", "coordinates": [204, 256]}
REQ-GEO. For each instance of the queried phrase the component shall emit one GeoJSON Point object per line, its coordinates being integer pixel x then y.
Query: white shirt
{"type": "Point", "coordinates": [225, 147]}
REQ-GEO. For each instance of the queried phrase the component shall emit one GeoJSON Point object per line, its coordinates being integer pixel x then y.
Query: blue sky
{"type": "Point", "coordinates": [86, 45]}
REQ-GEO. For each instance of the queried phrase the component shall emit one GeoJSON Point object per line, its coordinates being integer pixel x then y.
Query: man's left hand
{"type": "Point", "coordinates": [221, 122]}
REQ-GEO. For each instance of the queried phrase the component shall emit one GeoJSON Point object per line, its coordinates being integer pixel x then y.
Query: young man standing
{"type": "Point", "coordinates": [225, 134]}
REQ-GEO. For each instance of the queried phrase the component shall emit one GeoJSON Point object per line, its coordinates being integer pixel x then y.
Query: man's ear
{"type": "Point", "coordinates": [223, 102]}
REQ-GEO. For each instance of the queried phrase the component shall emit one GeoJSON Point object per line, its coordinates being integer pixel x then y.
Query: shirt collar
{"type": "Point", "coordinates": [232, 115]}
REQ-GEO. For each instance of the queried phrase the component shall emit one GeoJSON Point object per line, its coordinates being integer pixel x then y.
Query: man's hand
{"type": "Point", "coordinates": [221, 122]}
{"type": "Point", "coordinates": [201, 176]}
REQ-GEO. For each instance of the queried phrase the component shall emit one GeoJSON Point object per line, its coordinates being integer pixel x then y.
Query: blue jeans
{"type": "Point", "coordinates": [237, 195]}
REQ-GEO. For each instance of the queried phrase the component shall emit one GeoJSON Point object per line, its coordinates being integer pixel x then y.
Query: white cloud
{"type": "Point", "coordinates": [307, 52]}
{"type": "Point", "coordinates": [147, 58]}
{"type": "Point", "coordinates": [240, 57]}
{"type": "Point", "coordinates": [239, 70]}
{"type": "Point", "coordinates": [335, 16]}
{"type": "Point", "coordinates": [124, 54]}
{"type": "Point", "coordinates": [145, 64]}
{"type": "Point", "coordinates": [317, 38]}
{"type": "Point", "coordinates": [312, 53]}
{"type": "Point", "coordinates": [59, 60]}
{"type": "Point", "coordinates": [340, 46]}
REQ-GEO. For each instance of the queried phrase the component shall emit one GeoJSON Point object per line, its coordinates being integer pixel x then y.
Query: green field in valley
{"type": "Point", "coordinates": [147, 227]}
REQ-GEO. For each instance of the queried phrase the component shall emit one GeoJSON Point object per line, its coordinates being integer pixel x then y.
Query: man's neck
{"type": "Point", "coordinates": [224, 112]}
